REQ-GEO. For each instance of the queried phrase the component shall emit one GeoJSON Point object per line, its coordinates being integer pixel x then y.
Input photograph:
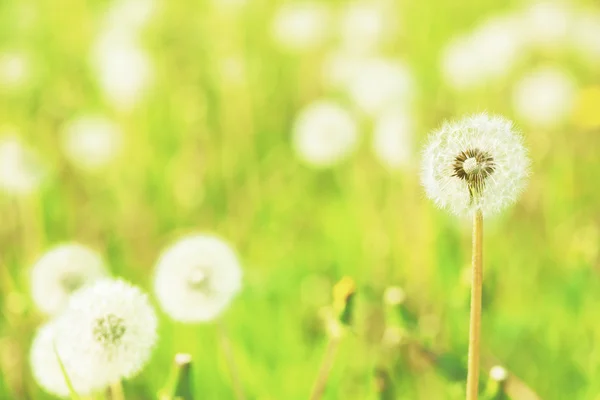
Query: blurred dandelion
{"type": "Point", "coordinates": [44, 364]}
{"type": "Point", "coordinates": [61, 271]}
{"type": "Point", "coordinates": [15, 70]}
{"type": "Point", "coordinates": [196, 278]}
{"type": "Point", "coordinates": [547, 25]}
{"type": "Point", "coordinates": [545, 97]}
{"type": "Point", "coordinates": [475, 167]}
{"type": "Point", "coordinates": [498, 373]}
{"type": "Point", "coordinates": [91, 142]}
{"type": "Point", "coordinates": [21, 170]}
{"type": "Point", "coordinates": [477, 163]}
{"type": "Point", "coordinates": [123, 70]}
{"type": "Point", "coordinates": [585, 34]}
{"type": "Point", "coordinates": [340, 68]}
{"type": "Point", "coordinates": [129, 15]}
{"type": "Point", "coordinates": [324, 134]}
{"type": "Point", "coordinates": [393, 139]}
{"type": "Point", "coordinates": [365, 25]}
{"type": "Point", "coordinates": [381, 85]}
{"type": "Point", "coordinates": [107, 333]}
{"type": "Point", "coordinates": [486, 55]}
{"type": "Point", "coordinates": [301, 26]}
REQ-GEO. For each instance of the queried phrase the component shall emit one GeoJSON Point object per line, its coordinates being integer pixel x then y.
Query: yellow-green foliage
{"type": "Point", "coordinates": [208, 150]}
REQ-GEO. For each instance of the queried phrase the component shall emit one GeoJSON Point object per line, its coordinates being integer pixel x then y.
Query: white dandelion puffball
{"type": "Point", "coordinates": [15, 70]}
{"type": "Point", "coordinates": [61, 271]}
{"type": "Point", "coordinates": [382, 84]}
{"type": "Point", "coordinates": [460, 65]}
{"type": "Point", "coordinates": [123, 69]}
{"type": "Point", "coordinates": [545, 97]}
{"type": "Point", "coordinates": [91, 142]}
{"type": "Point", "coordinates": [324, 134]}
{"type": "Point", "coordinates": [301, 26]}
{"type": "Point", "coordinates": [44, 364]}
{"type": "Point", "coordinates": [364, 26]}
{"type": "Point", "coordinates": [107, 333]}
{"type": "Point", "coordinates": [196, 278]}
{"type": "Point", "coordinates": [392, 139]}
{"type": "Point", "coordinates": [585, 36]}
{"type": "Point", "coordinates": [547, 25]}
{"type": "Point", "coordinates": [21, 170]}
{"type": "Point", "coordinates": [476, 163]}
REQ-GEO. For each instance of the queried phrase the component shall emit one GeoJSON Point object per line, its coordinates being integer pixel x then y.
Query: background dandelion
{"type": "Point", "coordinates": [208, 99]}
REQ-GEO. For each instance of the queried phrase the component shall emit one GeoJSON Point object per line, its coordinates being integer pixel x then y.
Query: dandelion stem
{"type": "Point", "coordinates": [475, 322]}
{"type": "Point", "coordinates": [116, 391]}
{"type": "Point", "coordinates": [325, 369]}
{"type": "Point", "coordinates": [228, 354]}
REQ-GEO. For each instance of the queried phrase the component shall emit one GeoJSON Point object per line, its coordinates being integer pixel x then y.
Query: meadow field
{"type": "Point", "coordinates": [294, 131]}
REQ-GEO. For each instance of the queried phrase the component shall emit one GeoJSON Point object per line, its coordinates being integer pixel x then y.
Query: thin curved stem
{"type": "Point", "coordinates": [326, 365]}
{"type": "Point", "coordinates": [475, 320]}
{"type": "Point", "coordinates": [116, 391]}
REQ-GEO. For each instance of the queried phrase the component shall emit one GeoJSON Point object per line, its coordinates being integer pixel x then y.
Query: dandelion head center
{"type": "Point", "coordinates": [199, 279]}
{"type": "Point", "coordinates": [474, 166]}
{"type": "Point", "coordinates": [71, 282]}
{"type": "Point", "coordinates": [109, 329]}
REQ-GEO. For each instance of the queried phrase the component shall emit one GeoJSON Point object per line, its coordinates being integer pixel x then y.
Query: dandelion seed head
{"type": "Point", "coordinates": [106, 333]}
{"type": "Point", "coordinates": [130, 15]}
{"type": "Point", "coordinates": [301, 26]}
{"type": "Point", "coordinates": [324, 134]}
{"type": "Point", "coordinates": [478, 162]}
{"type": "Point", "coordinates": [393, 139]}
{"type": "Point", "coordinates": [196, 278]}
{"type": "Point", "coordinates": [61, 271]}
{"type": "Point", "coordinates": [545, 97]}
{"type": "Point", "coordinates": [21, 170]}
{"type": "Point", "coordinates": [44, 364]}
{"type": "Point", "coordinates": [91, 142]}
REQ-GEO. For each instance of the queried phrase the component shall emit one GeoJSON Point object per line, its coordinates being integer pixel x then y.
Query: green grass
{"type": "Point", "coordinates": [204, 154]}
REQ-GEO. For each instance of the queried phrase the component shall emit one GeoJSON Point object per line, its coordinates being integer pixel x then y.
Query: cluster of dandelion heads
{"type": "Point", "coordinates": [91, 142]}
{"type": "Point", "coordinates": [44, 363]}
{"type": "Point", "coordinates": [196, 278]}
{"type": "Point", "coordinates": [324, 134]}
{"type": "Point", "coordinates": [61, 271]}
{"type": "Point", "coordinates": [476, 163]}
{"type": "Point", "coordinates": [21, 170]}
{"type": "Point", "coordinates": [301, 26]}
{"type": "Point", "coordinates": [545, 97]}
{"type": "Point", "coordinates": [106, 333]}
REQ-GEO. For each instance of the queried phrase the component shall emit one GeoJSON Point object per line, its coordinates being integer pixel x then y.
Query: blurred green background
{"type": "Point", "coordinates": [205, 95]}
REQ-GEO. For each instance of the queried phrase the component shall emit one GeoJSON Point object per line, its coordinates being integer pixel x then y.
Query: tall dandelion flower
{"type": "Point", "coordinates": [545, 97]}
{"type": "Point", "coordinates": [91, 142]}
{"type": "Point", "coordinates": [196, 278]}
{"type": "Point", "coordinates": [61, 271]}
{"type": "Point", "coordinates": [475, 167]}
{"type": "Point", "coordinates": [44, 363]}
{"type": "Point", "coordinates": [21, 170]}
{"type": "Point", "coordinates": [324, 134]}
{"type": "Point", "coordinates": [106, 334]}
